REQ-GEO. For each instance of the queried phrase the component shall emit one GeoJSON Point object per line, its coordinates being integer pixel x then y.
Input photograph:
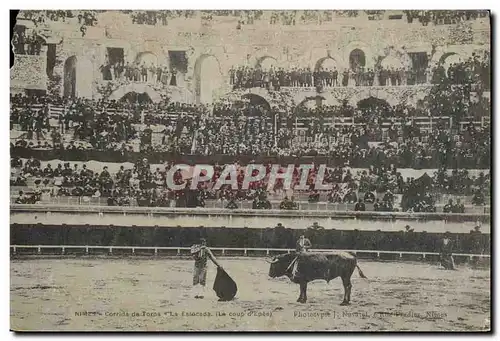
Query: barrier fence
{"type": "Point", "coordinates": [89, 250]}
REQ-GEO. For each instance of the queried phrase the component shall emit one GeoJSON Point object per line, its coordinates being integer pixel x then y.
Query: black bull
{"type": "Point", "coordinates": [304, 267]}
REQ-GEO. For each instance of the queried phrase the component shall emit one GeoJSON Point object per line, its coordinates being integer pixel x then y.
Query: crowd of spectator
{"type": "Point", "coordinates": [85, 18]}
{"type": "Point", "coordinates": [139, 72]}
{"type": "Point", "coordinates": [283, 17]}
{"type": "Point", "coordinates": [102, 125]}
{"type": "Point", "coordinates": [158, 17]}
{"type": "Point", "coordinates": [405, 146]}
{"type": "Point", "coordinates": [476, 69]}
{"type": "Point", "coordinates": [443, 17]}
{"type": "Point", "coordinates": [254, 129]}
{"type": "Point", "coordinates": [142, 186]}
{"type": "Point", "coordinates": [27, 43]}
{"type": "Point", "coordinates": [235, 133]}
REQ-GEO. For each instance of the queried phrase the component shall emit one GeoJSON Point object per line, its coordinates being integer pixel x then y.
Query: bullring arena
{"type": "Point", "coordinates": [389, 109]}
{"type": "Point", "coordinates": [404, 296]}
{"type": "Point", "coordinates": [147, 286]}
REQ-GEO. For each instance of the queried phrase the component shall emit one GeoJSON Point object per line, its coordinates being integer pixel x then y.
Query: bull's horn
{"type": "Point", "coordinates": [271, 261]}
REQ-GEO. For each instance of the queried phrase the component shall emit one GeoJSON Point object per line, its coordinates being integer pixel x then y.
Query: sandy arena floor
{"type": "Point", "coordinates": [153, 295]}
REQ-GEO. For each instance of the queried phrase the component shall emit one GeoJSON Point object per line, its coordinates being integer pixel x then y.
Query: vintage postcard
{"type": "Point", "coordinates": [260, 170]}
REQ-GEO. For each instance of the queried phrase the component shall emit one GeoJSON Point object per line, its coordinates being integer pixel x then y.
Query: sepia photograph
{"type": "Point", "coordinates": [250, 170]}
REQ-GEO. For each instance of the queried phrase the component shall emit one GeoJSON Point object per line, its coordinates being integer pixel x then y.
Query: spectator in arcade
{"type": "Point", "coordinates": [448, 208]}
{"type": "Point", "coordinates": [459, 207]}
{"type": "Point", "coordinates": [360, 206]}
{"type": "Point", "coordinates": [377, 206]}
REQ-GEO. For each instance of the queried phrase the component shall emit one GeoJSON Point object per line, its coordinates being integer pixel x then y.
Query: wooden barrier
{"type": "Point", "coordinates": [155, 249]}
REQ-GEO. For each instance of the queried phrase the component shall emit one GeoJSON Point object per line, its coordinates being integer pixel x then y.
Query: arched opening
{"type": "Point", "coordinates": [257, 103]}
{"type": "Point", "coordinates": [69, 84]}
{"type": "Point", "coordinates": [208, 78]}
{"type": "Point", "coordinates": [357, 59]}
{"type": "Point", "coordinates": [326, 63]}
{"type": "Point", "coordinates": [78, 77]}
{"type": "Point", "coordinates": [312, 102]}
{"type": "Point", "coordinates": [146, 58]}
{"type": "Point", "coordinates": [138, 88]}
{"type": "Point", "coordinates": [135, 97]}
{"type": "Point", "coordinates": [449, 59]}
{"type": "Point", "coordinates": [373, 108]}
{"type": "Point", "coordinates": [266, 62]}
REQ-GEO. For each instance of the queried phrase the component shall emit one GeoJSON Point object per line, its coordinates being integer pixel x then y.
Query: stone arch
{"type": "Point", "coordinates": [312, 100]}
{"type": "Point", "coordinates": [43, 37]}
{"type": "Point", "coordinates": [366, 104]}
{"type": "Point", "coordinates": [78, 77]}
{"type": "Point", "coordinates": [265, 62]}
{"type": "Point", "coordinates": [449, 58]}
{"type": "Point", "coordinates": [326, 63]}
{"type": "Point", "coordinates": [449, 50]}
{"type": "Point", "coordinates": [384, 95]}
{"type": "Point", "coordinates": [258, 99]}
{"type": "Point", "coordinates": [261, 93]}
{"type": "Point", "coordinates": [358, 45]}
{"type": "Point", "coordinates": [207, 80]}
{"type": "Point", "coordinates": [278, 99]}
{"type": "Point", "coordinates": [139, 88]}
{"type": "Point", "coordinates": [133, 97]}
{"type": "Point", "coordinates": [318, 100]}
{"type": "Point", "coordinates": [146, 57]}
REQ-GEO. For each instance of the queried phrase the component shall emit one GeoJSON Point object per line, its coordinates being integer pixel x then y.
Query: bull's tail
{"type": "Point", "coordinates": [360, 272]}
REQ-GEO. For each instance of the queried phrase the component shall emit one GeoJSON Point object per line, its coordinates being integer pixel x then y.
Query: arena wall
{"type": "Point", "coordinates": [289, 46]}
{"type": "Point", "coordinates": [253, 219]}
{"type": "Point", "coordinates": [175, 236]}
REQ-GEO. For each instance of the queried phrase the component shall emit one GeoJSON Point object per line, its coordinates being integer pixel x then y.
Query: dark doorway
{"type": "Point", "coordinates": [134, 97]}
{"type": "Point", "coordinates": [115, 55]}
{"type": "Point", "coordinates": [178, 61]}
{"type": "Point", "coordinates": [357, 59]}
{"type": "Point", "coordinates": [70, 77]}
{"type": "Point", "coordinates": [51, 59]}
{"type": "Point", "coordinates": [419, 61]}
{"type": "Point", "coordinates": [257, 101]}
{"type": "Point", "coordinates": [373, 107]}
